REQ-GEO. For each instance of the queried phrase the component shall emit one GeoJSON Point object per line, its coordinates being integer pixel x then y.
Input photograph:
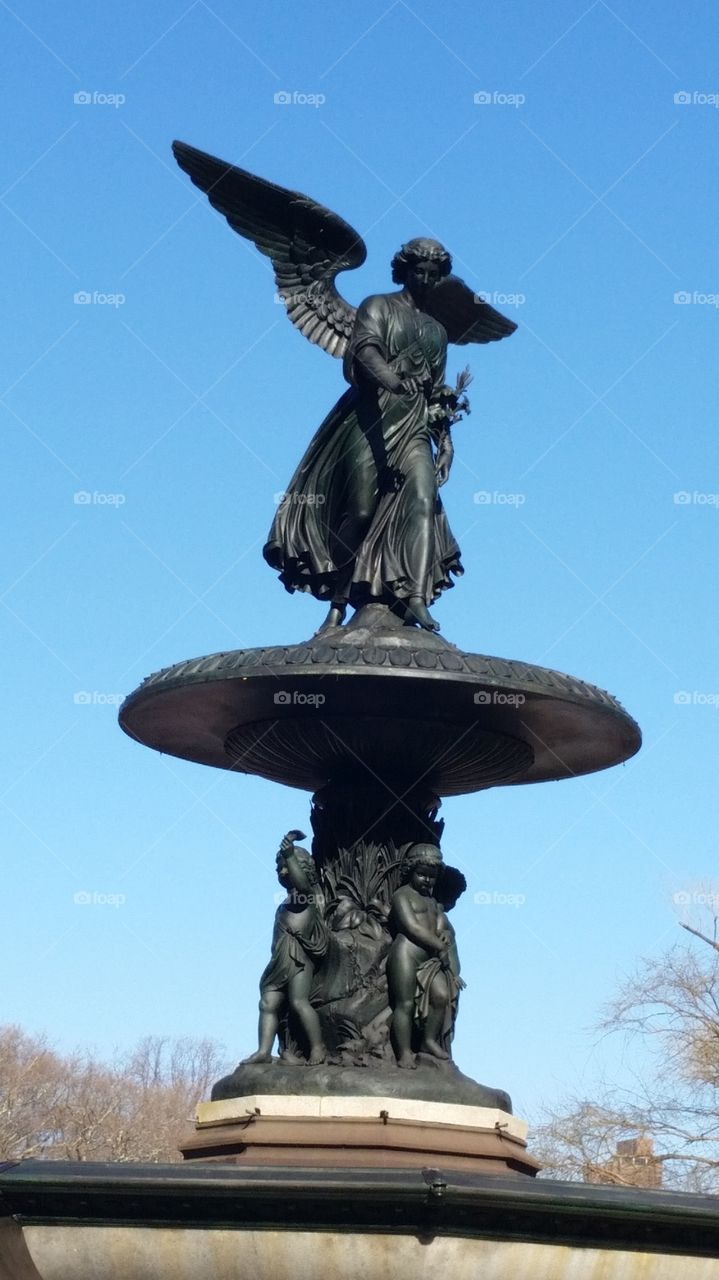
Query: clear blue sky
{"type": "Point", "coordinates": [594, 201]}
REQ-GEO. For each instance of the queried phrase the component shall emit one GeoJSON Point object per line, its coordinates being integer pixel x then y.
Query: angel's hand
{"type": "Point", "coordinates": [442, 468]}
{"type": "Point", "coordinates": [416, 387]}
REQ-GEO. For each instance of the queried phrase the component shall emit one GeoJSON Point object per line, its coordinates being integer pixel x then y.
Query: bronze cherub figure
{"type": "Point", "coordinates": [423, 973]}
{"type": "Point", "coordinates": [299, 944]}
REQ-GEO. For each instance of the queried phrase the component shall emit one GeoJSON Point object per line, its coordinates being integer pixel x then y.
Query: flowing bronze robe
{"type": "Point", "coordinates": [388, 438]}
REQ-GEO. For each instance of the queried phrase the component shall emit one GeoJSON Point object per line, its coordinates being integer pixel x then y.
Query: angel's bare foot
{"type": "Point", "coordinates": [407, 1060]}
{"type": "Point", "coordinates": [417, 614]}
{"type": "Point", "coordinates": [335, 618]}
{"type": "Point", "coordinates": [435, 1050]}
{"type": "Point", "coordinates": [256, 1057]}
{"type": "Point", "coordinates": [317, 1056]}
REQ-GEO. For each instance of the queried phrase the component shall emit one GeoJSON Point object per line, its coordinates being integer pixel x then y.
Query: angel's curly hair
{"type": "Point", "coordinates": [420, 855]}
{"type": "Point", "coordinates": [419, 250]}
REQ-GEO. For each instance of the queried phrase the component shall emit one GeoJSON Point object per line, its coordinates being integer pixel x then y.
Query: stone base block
{"type": "Point", "coordinates": [329, 1132]}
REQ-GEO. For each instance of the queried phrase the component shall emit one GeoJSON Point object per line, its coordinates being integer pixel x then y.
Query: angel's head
{"type": "Point", "coordinates": [420, 264]}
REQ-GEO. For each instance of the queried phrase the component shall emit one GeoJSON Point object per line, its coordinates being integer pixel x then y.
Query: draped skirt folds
{"type": "Point", "coordinates": [386, 440]}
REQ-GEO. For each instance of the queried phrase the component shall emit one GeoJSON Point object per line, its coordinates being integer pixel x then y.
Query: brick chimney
{"type": "Point", "coordinates": [634, 1165]}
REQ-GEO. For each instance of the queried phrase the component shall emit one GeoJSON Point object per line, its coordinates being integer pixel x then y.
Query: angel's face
{"type": "Point", "coordinates": [422, 276]}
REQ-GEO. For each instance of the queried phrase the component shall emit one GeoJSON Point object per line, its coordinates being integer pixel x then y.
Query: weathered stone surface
{"type": "Point", "coordinates": [65, 1221]}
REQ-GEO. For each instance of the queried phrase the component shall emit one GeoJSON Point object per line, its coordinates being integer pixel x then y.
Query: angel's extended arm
{"type": "Point", "coordinates": [445, 455]}
{"type": "Point", "coordinates": [374, 367]}
{"type": "Point", "coordinates": [441, 434]}
{"type": "Point", "coordinates": [368, 360]}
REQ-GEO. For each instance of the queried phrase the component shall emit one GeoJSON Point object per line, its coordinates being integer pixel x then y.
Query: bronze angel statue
{"type": "Point", "coordinates": [361, 520]}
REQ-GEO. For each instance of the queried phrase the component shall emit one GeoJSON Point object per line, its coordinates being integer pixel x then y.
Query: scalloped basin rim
{"type": "Point", "coordinates": [191, 709]}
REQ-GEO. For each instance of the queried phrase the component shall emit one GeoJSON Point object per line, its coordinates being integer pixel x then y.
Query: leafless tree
{"type": "Point", "coordinates": [75, 1107]}
{"type": "Point", "coordinates": [671, 1006]}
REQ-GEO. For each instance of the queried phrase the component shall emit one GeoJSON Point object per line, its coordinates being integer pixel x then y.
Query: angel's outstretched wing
{"type": "Point", "coordinates": [464, 314]}
{"type": "Point", "coordinates": [307, 244]}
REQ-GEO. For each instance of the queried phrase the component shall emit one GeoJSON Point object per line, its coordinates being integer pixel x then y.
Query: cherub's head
{"type": "Point", "coordinates": [420, 264]}
{"type": "Point", "coordinates": [421, 865]}
{"type": "Point", "coordinates": [305, 858]}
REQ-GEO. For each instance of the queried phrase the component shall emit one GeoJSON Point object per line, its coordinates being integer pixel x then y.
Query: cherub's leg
{"type": "Point", "coordinates": [402, 982]}
{"type": "Point", "coordinates": [270, 1006]}
{"type": "Point", "coordinates": [401, 1034]}
{"type": "Point", "coordinates": [298, 994]}
{"type": "Point", "coordinates": [438, 999]}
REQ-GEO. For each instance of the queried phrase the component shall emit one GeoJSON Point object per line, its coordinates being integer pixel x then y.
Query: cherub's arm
{"type": "Point", "coordinates": [410, 925]}
{"type": "Point", "coordinates": [299, 878]}
{"type": "Point", "coordinates": [450, 950]}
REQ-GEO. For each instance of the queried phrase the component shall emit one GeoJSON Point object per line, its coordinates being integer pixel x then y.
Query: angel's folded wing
{"type": "Point", "coordinates": [307, 244]}
{"type": "Point", "coordinates": [465, 315]}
